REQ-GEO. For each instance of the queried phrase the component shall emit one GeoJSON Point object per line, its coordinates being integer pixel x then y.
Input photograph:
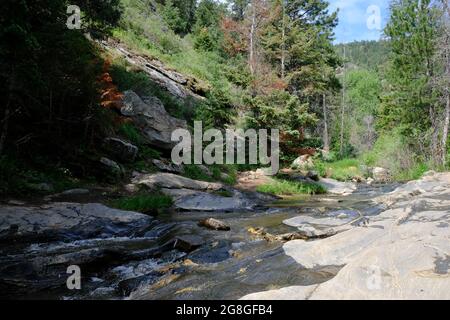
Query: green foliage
{"type": "Point", "coordinates": [204, 40]}
{"type": "Point", "coordinates": [279, 109]}
{"type": "Point", "coordinates": [285, 187]}
{"type": "Point", "coordinates": [49, 79]}
{"type": "Point", "coordinates": [217, 110]}
{"type": "Point", "coordinates": [18, 178]}
{"type": "Point", "coordinates": [342, 170]}
{"type": "Point", "coordinates": [145, 203]}
{"type": "Point", "coordinates": [392, 152]}
{"type": "Point", "coordinates": [149, 153]}
{"type": "Point", "coordinates": [172, 17]}
{"type": "Point", "coordinates": [413, 173]}
{"type": "Point", "coordinates": [407, 97]}
{"type": "Point", "coordinates": [207, 31]}
{"type": "Point", "coordinates": [370, 55]}
{"type": "Point", "coordinates": [195, 172]}
{"type": "Point", "coordinates": [129, 131]}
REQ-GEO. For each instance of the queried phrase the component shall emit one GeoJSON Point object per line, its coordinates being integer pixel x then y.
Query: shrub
{"type": "Point", "coordinates": [194, 171]}
{"type": "Point", "coordinates": [392, 152]}
{"type": "Point", "coordinates": [131, 133]}
{"type": "Point", "coordinates": [284, 187]}
{"type": "Point", "coordinates": [342, 170]}
{"type": "Point", "coordinates": [144, 203]}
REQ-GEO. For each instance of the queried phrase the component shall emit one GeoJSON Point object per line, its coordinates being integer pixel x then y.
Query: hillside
{"type": "Point", "coordinates": [370, 55]}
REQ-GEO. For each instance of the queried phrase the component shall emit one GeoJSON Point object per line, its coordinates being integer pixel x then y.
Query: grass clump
{"type": "Point", "coordinates": [342, 170]}
{"type": "Point", "coordinates": [195, 172]}
{"type": "Point", "coordinates": [413, 173]}
{"type": "Point", "coordinates": [287, 188]}
{"type": "Point", "coordinates": [145, 203]}
{"type": "Point", "coordinates": [129, 131]}
{"type": "Point", "coordinates": [215, 173]}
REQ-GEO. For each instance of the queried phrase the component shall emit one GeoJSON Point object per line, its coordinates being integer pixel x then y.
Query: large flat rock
{"type": "Point", "coordinates": [173, 181]}
{"type": "Point", "coordinates": [402, 253]}
{"type": "Point", "coordinates": [67, 220]}
{"type": "Point", "coordinates": [337, 187]}
{"type": "Point", "coordinates": [191, 200]}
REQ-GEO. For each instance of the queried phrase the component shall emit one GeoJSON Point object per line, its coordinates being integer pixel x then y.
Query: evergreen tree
{"type": "Point", "coordinates": [409, 101]}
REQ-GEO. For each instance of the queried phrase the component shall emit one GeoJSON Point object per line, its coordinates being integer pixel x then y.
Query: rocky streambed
{"type": "Point", "coordinates": [128, 255]}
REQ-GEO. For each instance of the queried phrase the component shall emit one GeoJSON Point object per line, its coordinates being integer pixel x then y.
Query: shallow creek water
{"type": "Point", "coordinates": [228, 264]}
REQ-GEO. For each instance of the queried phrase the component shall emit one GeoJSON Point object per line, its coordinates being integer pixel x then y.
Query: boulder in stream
{"type": "Point", "coordinates": [337, 187]}
{"type": "Point", "coordinates": [214, 224]}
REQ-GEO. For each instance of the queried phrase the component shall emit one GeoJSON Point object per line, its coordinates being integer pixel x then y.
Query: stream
{"type": "Point", "coordinates": [222, 265]}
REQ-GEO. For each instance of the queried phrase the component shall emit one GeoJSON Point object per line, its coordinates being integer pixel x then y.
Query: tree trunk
{"type": "Point", "coordinates": [5, 124]}
{"type": "Point", "coordinates": [341, 151]}
{"type": "Point", "coordinates": [435, 145]}
{"type": "Point", "coordinates": [326, 144]}
{"type": "Point", "coordinates": [283, 44]}
{"type": "Point", "coordinates": [252, 41]}
{"type": "Point", "coordinates": [445, 129]}
{"type": "Point", "coordinates": [446, 57]}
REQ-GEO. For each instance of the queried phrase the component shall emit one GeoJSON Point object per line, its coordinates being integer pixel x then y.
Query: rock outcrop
{"type": "Point", "coordinates": [173, 181]}
{"type": "Point", "coordinates": [380, 174]}
{"type": "Point", "coordinates": [39, 243]}
{"type": "Point", "coordinates": [303, 162]}
{"type": "Point", "coordinates": [337, 187]}
{"type": "Point", "coordinates": [67, 221]}
{"type": "Point", "coordinates": [175, 83]}
{"type": "Point", "coordinates": [402, 253]}
{"type": "Point", "coordinates": [167, 166]}
{"type": "Point", "coordinates": [191, 200]}
{"type": "Point", "coordinates": [121, 150]}
{"type": "Point", "coordinates": [151, 117]}
{"type": "Point", "coordinates": [195, 195]}
{"type": "Point", "coordinates": [110, 169]}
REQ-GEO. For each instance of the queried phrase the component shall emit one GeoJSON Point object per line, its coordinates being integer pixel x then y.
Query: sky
{"type": "Point", "coordinates": [360, 19]}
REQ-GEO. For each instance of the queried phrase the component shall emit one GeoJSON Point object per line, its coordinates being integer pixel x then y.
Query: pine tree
{"type": "Point", "coordinates": [409, 101]}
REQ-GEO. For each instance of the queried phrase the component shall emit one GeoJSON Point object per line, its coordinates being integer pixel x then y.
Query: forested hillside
{"type": "Point", "coordinates": [257, 64]}
{"type": "Point", "coordinates": [370, 55]}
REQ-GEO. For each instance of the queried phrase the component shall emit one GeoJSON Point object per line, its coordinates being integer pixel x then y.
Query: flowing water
{"type": "Point", "coordinates": [227, 265]}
